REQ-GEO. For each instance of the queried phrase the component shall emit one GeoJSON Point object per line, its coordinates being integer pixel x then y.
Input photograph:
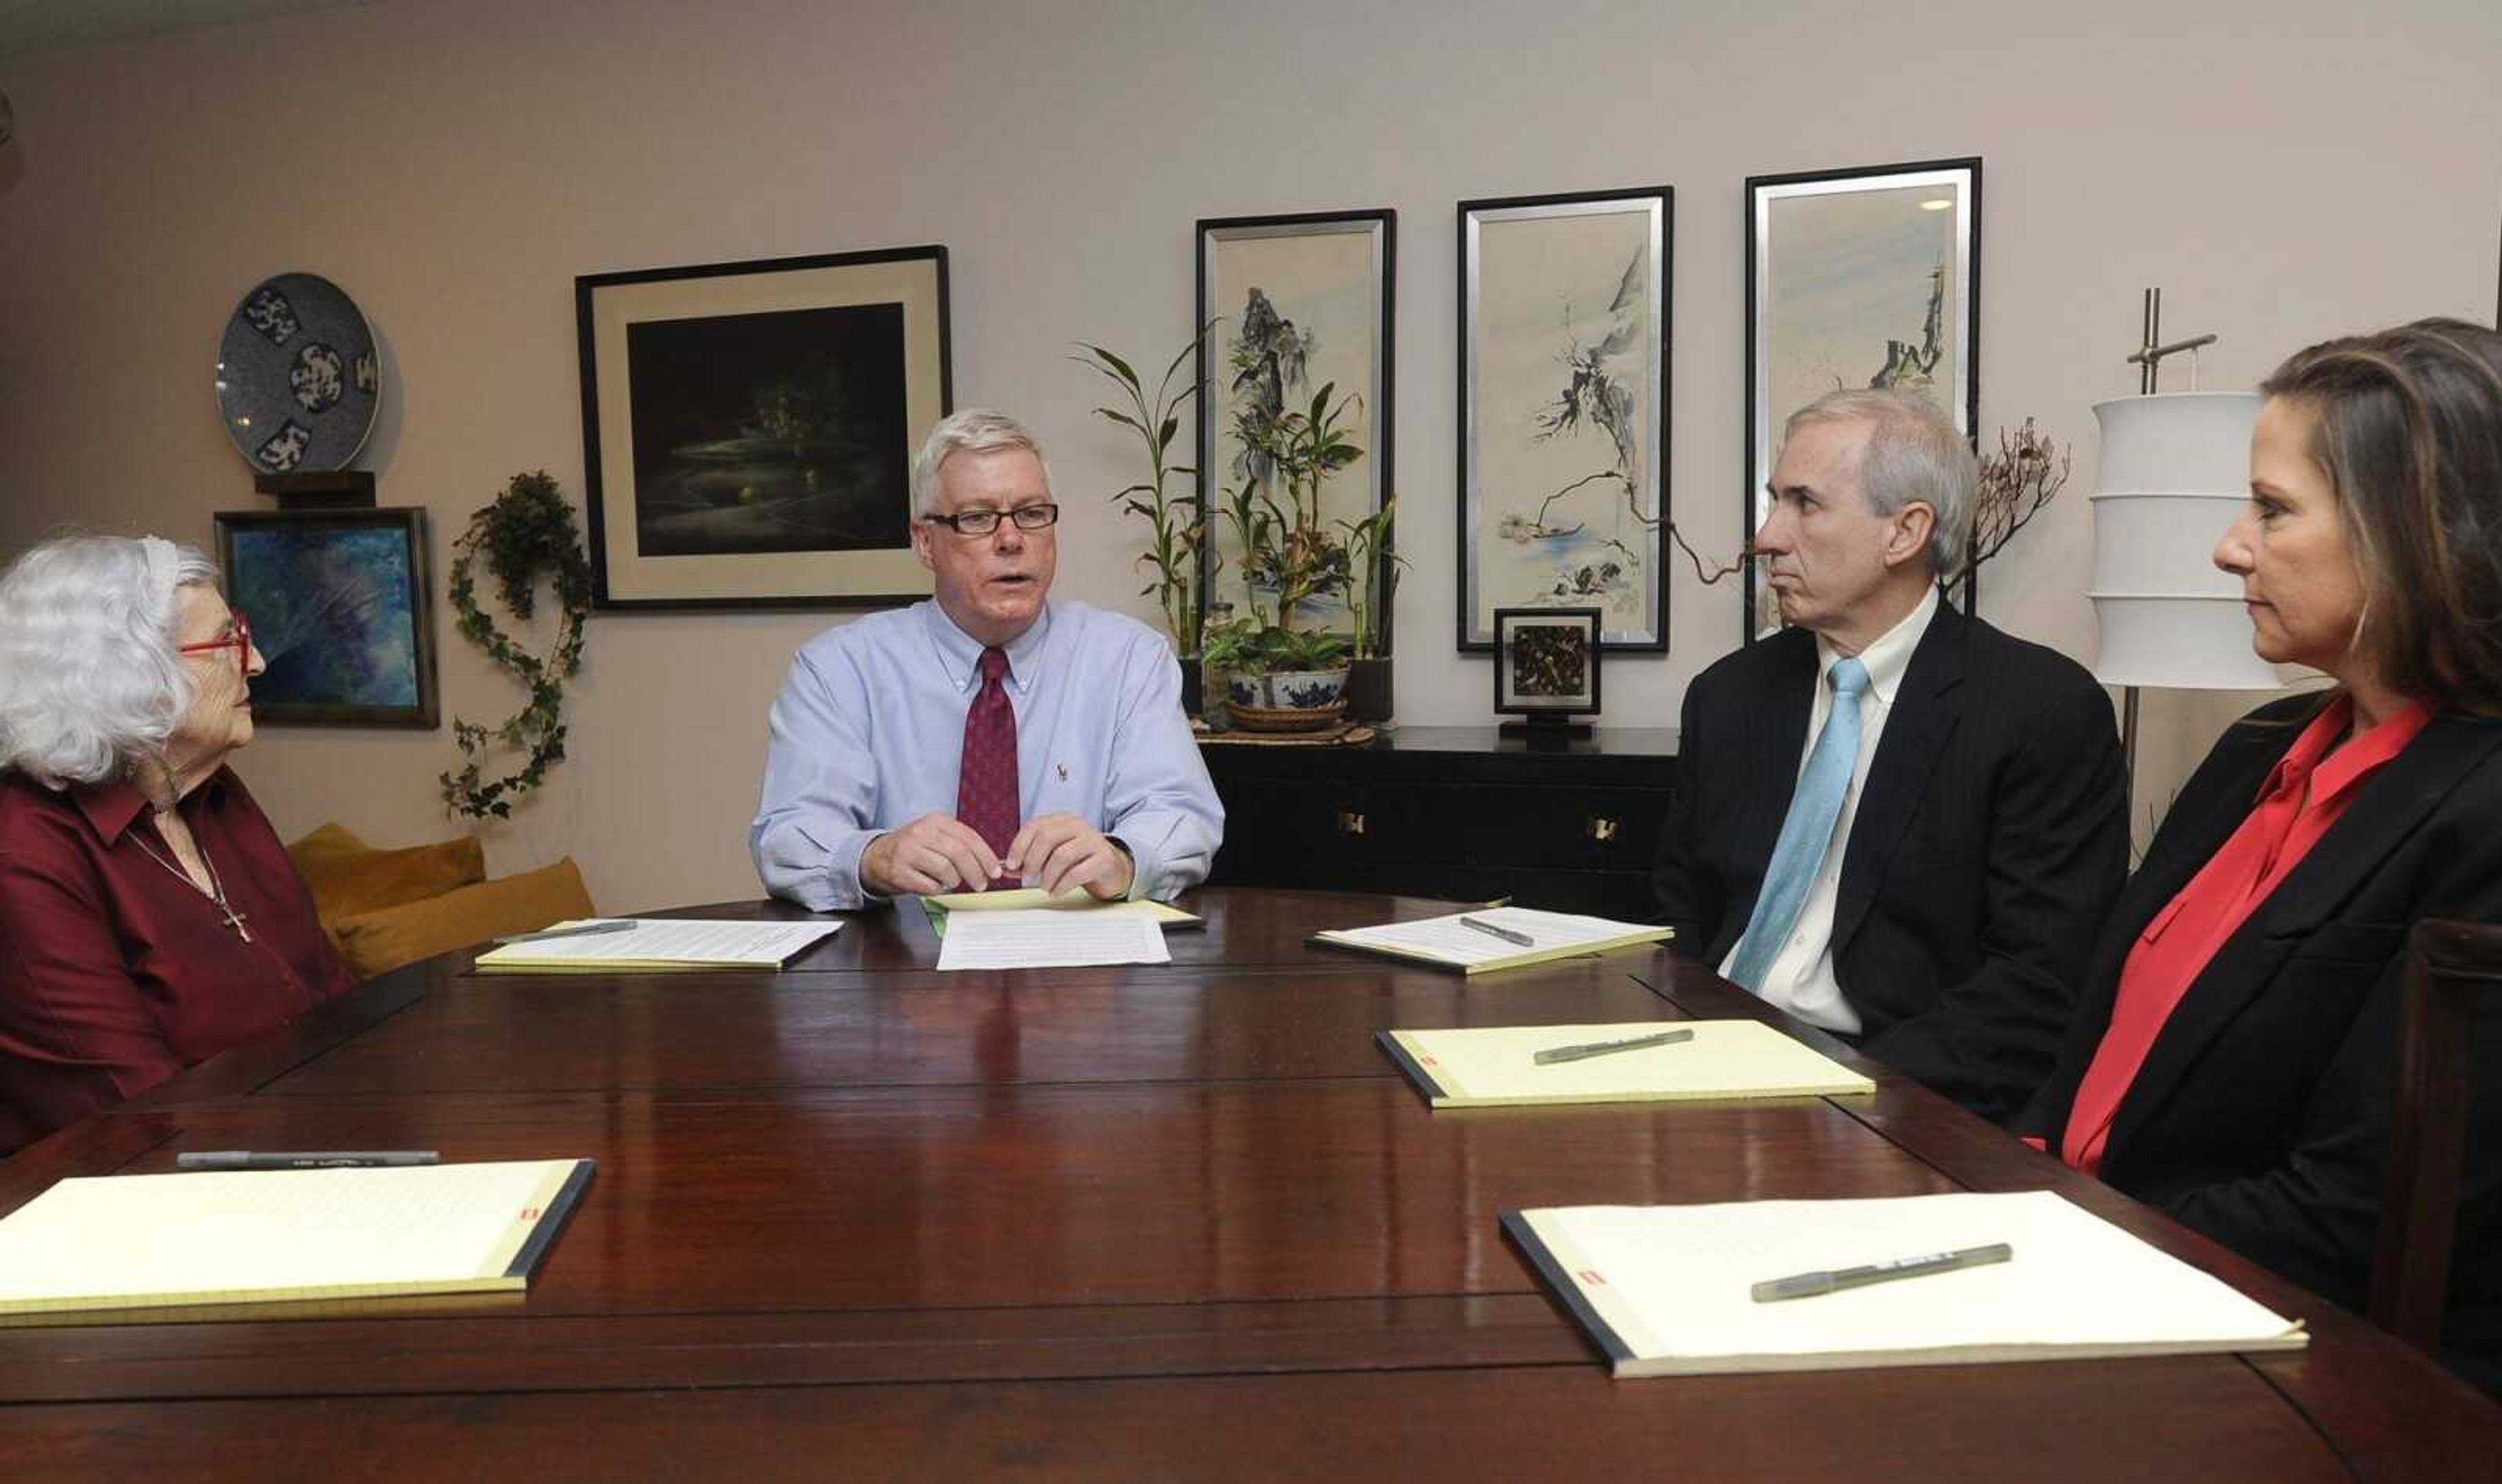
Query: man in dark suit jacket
{"type": "Point", "coordinates": [1939, 909]}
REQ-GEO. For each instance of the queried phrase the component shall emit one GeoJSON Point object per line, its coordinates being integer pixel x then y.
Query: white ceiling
{"type": "Point", "coordinates": [37, 26]}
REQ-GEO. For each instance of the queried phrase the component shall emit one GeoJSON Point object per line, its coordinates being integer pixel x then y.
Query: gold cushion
{"type": "Point", "coordinates": [379, 941]}
{"type": "Point", "coordinates": [326, 842]}
{"type": "Point", "coordinates": [347, 878]}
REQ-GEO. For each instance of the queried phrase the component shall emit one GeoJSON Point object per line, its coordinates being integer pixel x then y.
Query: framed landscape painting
{"type": "Point", "coordinates": [1563, 410]}
{"type": "Point", "coordinates": [339, 608]}
{"type": "Point", "coordinates": [748, 428]}
{"type": "Point", "coordinates": [1293, 306]}
{"type": "Point", "coordinates": [1856, 278]}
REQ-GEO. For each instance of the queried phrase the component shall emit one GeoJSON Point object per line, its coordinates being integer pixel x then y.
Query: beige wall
{"type": "Point", "coordinates": [2283, 170]}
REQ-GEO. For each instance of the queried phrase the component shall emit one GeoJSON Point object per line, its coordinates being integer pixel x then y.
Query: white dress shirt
{"type": "Point", "coordinates": [869, 734]}
{"type": "Point", "coordinates": [1800, 978]}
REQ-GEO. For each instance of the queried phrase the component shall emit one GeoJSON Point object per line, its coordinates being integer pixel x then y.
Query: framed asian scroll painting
{"type": "Point", "coordinates": [1293, 306]}
{"type": "Point", "coordinates": [1563, 410]}
{"type": "Point", "coordinates": [1856, 278]}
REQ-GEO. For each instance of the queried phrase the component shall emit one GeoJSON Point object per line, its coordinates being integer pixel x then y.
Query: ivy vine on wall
{"type": "Point", "coordinates": [528, 533]}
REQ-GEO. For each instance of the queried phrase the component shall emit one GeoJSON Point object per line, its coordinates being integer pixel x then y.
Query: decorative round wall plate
{"type": "Point", "coordinates": [298, 376]}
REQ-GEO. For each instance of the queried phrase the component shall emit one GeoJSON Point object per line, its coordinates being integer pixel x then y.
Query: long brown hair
{"type": "Point", "coordinates": [2409, 428]}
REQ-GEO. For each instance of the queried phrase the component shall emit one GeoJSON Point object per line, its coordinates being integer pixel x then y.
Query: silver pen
{"type": "Point", "coordinates": [1554, 1054]}
{"type": "Point", "coordinates": [586, 929]}
{"type": "Point", "coordinates": [328, 1159]}
{"type": "Point", "coordinates": [1807, 1285]}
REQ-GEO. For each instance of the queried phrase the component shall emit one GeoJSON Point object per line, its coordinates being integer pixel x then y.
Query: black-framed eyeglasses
{"type": "Point", "coordinates": [981, 523]}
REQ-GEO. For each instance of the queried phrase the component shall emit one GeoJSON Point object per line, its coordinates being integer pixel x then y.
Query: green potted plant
{"type": "Point", "coordinates": [1273, 669]}
{"type": "Point", "coordinates": [1375, 583]}
{"type": "Point", "coordinates": [1175, 522]}
{"type": "Point", "coordinates": [1278, 676]}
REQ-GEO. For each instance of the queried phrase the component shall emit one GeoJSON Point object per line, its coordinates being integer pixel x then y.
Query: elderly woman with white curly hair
{"type": "Point", "coordinates": [149, 917]}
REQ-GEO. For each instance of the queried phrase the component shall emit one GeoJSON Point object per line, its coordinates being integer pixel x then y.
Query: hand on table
{"type": "Point", "coordinates": [1060, 851]}
{"type": "Point", "coordinates": [934, 854]}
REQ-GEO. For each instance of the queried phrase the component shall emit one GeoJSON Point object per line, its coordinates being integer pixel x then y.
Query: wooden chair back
{"type": "Point", "coordinates": [2448, 965]}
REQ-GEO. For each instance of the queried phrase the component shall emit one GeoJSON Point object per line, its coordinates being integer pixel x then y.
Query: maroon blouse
{"type": "Point", "coordinates": [116, 972]}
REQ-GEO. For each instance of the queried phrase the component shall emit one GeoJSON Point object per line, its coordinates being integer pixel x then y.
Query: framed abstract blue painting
{"type": "Point", "coordinates": [339, 606]}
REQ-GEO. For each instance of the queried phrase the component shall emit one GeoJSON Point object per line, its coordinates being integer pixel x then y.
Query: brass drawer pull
{"type": "Point", "coordinates": [1349, 822]}
{"type": "Point", "coordinates": [1602, 828]}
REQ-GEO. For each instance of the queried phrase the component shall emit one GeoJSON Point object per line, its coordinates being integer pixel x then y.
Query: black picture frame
{"type": "Point", "coordinates": [341, 607]}
{"type": "Point", "coordinates": [1538, 653]}
{"type": "Point", "coordinates": [1215, 283]}
{"type": "Point", "coordinates": [1763, 417]}
{"type": "Point", "coordinates": [748, 428]}
{"type": "Point", "coordinates": [1562, 409]}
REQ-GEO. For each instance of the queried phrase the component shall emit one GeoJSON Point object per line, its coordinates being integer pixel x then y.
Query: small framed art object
{"type": "Point", "coordinates": [1563, 410]}
{"type": "Point", "coordinates": [1293, 306]}
{"type": "Point", "coordinates": [1547, 668]}
{"type": "Point", "coordinates": [339, 608]}
{"type": "Point", "coordinates": [1863, 277]}
{"type": "Point", "coordinates": [748, 428]}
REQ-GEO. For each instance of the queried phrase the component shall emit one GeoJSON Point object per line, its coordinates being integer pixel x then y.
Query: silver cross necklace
{"type": "Point", "coordinates": [215, 891]}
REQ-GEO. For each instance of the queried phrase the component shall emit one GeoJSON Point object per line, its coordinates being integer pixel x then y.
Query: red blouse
{"type": "Point", "coordinates": [115, 971]}
{"type": "Point", "coordinates": [2306, 795]}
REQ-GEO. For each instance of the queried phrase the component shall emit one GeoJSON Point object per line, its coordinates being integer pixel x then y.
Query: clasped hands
{"type": "Point", "coordinates": [940, 852]}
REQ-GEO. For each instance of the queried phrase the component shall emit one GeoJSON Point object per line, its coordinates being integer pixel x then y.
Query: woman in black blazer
{"type": "Point", "coordinates": [2234, 1054]}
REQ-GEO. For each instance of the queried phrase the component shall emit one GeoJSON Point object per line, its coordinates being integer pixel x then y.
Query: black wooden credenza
{"type": "Point", "coordinates": [1455, 811]}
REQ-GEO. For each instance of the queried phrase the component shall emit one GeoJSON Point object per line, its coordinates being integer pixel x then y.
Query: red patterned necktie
{"type": "Point", "coordinates": [985, 786]}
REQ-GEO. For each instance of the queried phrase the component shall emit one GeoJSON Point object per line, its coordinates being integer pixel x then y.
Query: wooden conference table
{"type": "Point", "coordinates": [863, 1220]}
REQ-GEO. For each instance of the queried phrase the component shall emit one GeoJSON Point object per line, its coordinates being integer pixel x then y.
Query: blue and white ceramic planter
{"type": "Point", "coordinates": [1288, 690]}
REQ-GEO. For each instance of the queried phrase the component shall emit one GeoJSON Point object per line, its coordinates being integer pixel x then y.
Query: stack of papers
{"type": "Point", "coordinates": [256, 1237]}
{"type": "Point", "coordinates": [1048, 937]}
{"type": "Point", "coordinates": [658, 945]}
{"type": "Point", "coordinates": [1474, 941]}
{"type": "Point", "coordinates": [1670, 1290]}
{"type": "Point", "coordinates": [1497, 1066]}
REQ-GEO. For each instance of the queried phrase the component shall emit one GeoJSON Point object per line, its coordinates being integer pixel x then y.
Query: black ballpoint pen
{"type": "Point", "coordinates": [1582, 1053]}
{"type": "Point", "coordinates": [586, 929]}
{"type": "Point", "coordinates": [319, 1159]}
{"type": "Point", "coordinates": [1807, 1285]}
{"type": "Point", "coordinates": [1504, 933]}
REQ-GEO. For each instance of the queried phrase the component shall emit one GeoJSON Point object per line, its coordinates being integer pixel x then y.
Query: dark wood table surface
{"type": "Point", "coordinates": [863, 1220]}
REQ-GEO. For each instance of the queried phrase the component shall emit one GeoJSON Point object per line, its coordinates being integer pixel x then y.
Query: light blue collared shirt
{"type": "Point", "coordinates": [868, 735]}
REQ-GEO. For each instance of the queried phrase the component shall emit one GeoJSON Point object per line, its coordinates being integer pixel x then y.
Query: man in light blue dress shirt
{"type": "Point", "coordinates": [868, 738]}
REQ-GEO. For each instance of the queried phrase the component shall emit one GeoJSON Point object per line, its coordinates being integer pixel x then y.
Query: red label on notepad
{"type": "Point", "coordinates": [529, 1213]}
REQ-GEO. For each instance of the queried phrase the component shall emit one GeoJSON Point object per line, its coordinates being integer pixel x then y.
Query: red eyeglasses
{"type": "Point", "coordinates": [239, 641]}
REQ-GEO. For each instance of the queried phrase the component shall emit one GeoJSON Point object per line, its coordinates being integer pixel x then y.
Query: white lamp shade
{"type": "Point", "coordinates": [2175, 473]}
{"type": "Point", "coordinates": [2188, 442]}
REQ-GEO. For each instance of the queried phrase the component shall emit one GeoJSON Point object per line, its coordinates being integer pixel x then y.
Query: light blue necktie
{"type": "Point", "coordinates": [1808, 833]}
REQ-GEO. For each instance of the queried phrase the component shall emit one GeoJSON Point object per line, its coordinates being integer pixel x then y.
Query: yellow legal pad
{"type": "Point", "coordinates": [1493, 1067]}
{"type": "Point", "coordinates": [266, 1237]}
{"type": "Point", "coordinates": [1670, 1290]}
{"type": "Point", "coordinates": [1028, 899]}
{"type": "Point", "coordinates": [1449, 942]}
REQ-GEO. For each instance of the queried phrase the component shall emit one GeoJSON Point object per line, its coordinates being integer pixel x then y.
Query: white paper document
{"type": "Point", "coordinates": [664, 943]}
{"type": "Point", "coordinates": [1535, 936]}
{"type": "Point", "coordinates": [1044, 938]}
